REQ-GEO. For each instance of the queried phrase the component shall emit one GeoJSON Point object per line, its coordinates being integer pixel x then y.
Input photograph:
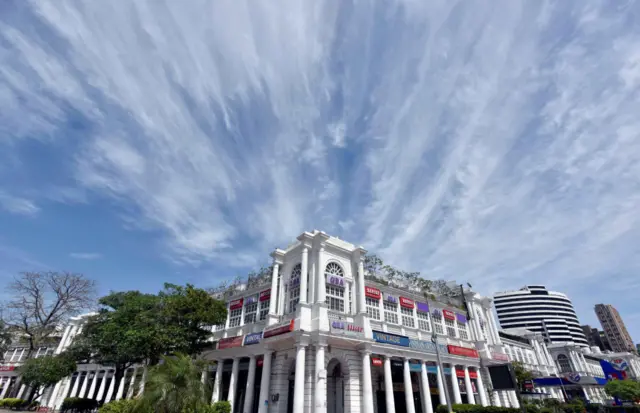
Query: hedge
{"type": "Point", "coordinates": [78, 405]}
{"type": "Point", "coordinates": [118, 406]}
{"type": "Point", "coordinates": [476, 408]}
{"type": "Point", "coordinates": [13, 403]}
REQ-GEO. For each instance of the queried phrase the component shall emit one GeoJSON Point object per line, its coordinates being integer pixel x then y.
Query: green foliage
{"type": "Point", "coordinates": [78, 405]}
{"type": "Point", "coordinates": [221, 407]}
{"type": "Point", "coordinates": [521, 373]}
{"type": "Point", "coordinates": [476, 408]}
{"type": "Point", "coordinates": [119, 406]}
{"type": "Point", "coordinates": [5, 339]}
{"type": "Point", "coordinates": [623, 389]}
{"type": "Point", "coordinates": [13, 403]}
{"type": "Point", "coordinates": [46, 371]}
{"type": "Point", "coordinates": [175, 385]}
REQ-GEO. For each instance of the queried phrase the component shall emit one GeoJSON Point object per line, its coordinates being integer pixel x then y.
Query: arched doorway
{"type": "Point", "coordinates": [335, 386]}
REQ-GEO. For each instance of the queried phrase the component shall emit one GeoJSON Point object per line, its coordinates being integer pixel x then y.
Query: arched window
{"type": "Point", "coordinates": [335, 287]}
{"type": "Point", "coordinates": [563, 364]}
{"type": "Point", "coordinates": [294, 287]}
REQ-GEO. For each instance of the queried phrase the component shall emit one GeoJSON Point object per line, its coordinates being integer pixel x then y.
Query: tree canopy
{"type": "Point", "coordinates": [521, 373]}
{"type": "Point", "coordinates": [42, 372]}
{"type": "Point", "coordinates": [623, 389]}
{"type": "Point", "coordinates": [5, 339]}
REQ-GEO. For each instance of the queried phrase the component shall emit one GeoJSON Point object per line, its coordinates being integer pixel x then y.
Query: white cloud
{"type": "Point", "coordinates": [470, 141]}
{"type": "Point", "coordinates": [86, 255]}
{"type": "Point", "coordinates": [17, 205]}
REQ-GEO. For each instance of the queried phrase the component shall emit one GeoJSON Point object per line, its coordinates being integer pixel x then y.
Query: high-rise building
{"type": "Point", "coordinates": [537, 309]}
{"type": "Point", "coordinates": [614, 328]}
{"type": "Point", "coordinates": [596, 338]}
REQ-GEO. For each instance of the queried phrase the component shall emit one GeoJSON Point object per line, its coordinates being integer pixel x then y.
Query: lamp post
{"type": "Point", "coordinates": [434, 340]}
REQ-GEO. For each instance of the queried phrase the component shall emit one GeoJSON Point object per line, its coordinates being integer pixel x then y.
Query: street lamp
{"type": "Point", "coordinates": [434, 340]}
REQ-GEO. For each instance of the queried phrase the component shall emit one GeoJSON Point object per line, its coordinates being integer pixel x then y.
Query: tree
{"type": "Point", "coordinates": [5, 339]}
{"type": "Point", "coordinates": [134, 328]}
{"type": "Point", "coordinates": [43, 301]}
{"type": "Point", "coordinates": [521, 373]}
{"type": "Point", "coordinates": [623, 389]}
{"type": "Point", "coordinates": [175, 385]}
{"type": "Point", "coordinates": [42, 372]}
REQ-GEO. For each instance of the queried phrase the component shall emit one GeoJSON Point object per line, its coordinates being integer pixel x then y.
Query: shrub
{"type": "Point", "coordinates": [118, 406]}
{"type": "Point", "coordinates": [476, 408]}
{"type": "Point", "coordinates": [222, 407]}
{"type": "Point", "coordinates": [78, 405]}
{"type": "Point", "coordinates": [13, 403]}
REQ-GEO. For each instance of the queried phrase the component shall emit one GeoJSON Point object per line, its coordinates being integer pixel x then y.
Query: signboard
{"type": "Point", "coordinates": [260, 362]}
{"type": "Point", "coordinates": [499, 356]}
{"type": "Point", "coordinates": [415, 367]}
{"type": "Point", "coordinates": [342, 328]}
{"type": "Point", "coordinates": [462, 351]}
{"type": "Point", "coordinates": [277, 329]}
{"type": "Point", "coordinates": [406, 302]}
{"type": "Point", "coordinates": [251, 300]}
{"type": "Point", "coordinates": [229, 342]}
{"type": "Point", "coordinates": [620, 364]}
{"type": "Point", "coordinates": [461, 318]}
{"type": "Point", "coordinates": [391, 299]}
{"type": "Point", "coordinates": [528, 384]}
{"type": "Point", "coordinates": [427, 346]}
{"type": "Point", "coordinates": [372, 292]}
{"type": "Point", "coordinates": [422, 307]}
{"type": "Point", "coordinates": [397, 364]}
{"type": "Point", "coordinates": [7, 368]}
{"type": "Point", "coordinates": [459, 373]}
{"type": "Point", "coordinates": [335, 280]}
{"type": "Point", "coordinates": [376, 361]}
{"type": "Point", "coordinates": [236, 304]}
{"type": "Point", "coordinates": [448, 314]}
{"type": "Point", "coordinates": [434, 370]}
{"type": "Point", "coordinates": [472, 374]}
{"type": "Point", "coordinates": [253, 338]}
{"type": "Point", "coordinates": [387, 338]}
{"type": "Point", "coordinates": [265, 295]}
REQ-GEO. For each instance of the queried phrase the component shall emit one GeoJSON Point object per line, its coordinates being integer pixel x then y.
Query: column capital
{"type": "Point", "coordinates": [366, 351]}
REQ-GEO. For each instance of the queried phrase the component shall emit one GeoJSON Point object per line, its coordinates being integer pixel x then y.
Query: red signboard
{"type": "Point", "coordinates": [376, 361]}
{"type": "Point", "coordinates": [260, 362]}
{"type": "Point", "coordinates": [235, 304]}
{"type": "Point", "coordinates": [406, 302]}
{"type": "Point", "coordinates": [500, 356]}
{"type": "Point", "coordinates": [278, 329]}
{"type": "Point", "coordinates": [462, 351]}
{"type": "Point", "coordinates": [265, 295]}
{"type": "Point", "coordinates": [372, 293]}
{"type": "Point", "coordinates": [459, 373]}
{"type": "Point", "coordinates": [229, 342]}
{"type": "Point", "coordinates": [472, 374]}
{"type": "Point", "coordinates": [449, 315]}
{"type": "Point", "coordinates": [7, 368]}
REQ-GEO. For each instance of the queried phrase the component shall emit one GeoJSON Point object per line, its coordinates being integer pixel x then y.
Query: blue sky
{"type": "Point", "coordinates": [489, 142]}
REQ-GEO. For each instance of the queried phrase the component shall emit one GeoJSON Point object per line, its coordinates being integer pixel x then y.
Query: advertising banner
{"type": "Point", "coordinates": [253, 338]}
{"type": "Point", "coordinates": [391, 299]}
{"type": "Point", "coordinates": [422, 307]}
{"type": "Point", "coordinates": [461, 318]}
{"type": "Point", "coordinates": [372, 292]}
{"type": "Point", "coordinates": [415, 367]}
{"type": "Point", "coordinates": [348, 329]}
{"type": "Point", "coordinates": [265, 295]}
{"type": "Point", "coordinates": [427, 346]}
{"type": "Point", "coordinates": [448, 314]}
{"type": "Point", "coordinates": [278, 329]}
{"type": "Point", "coordinates": [406, 302]}
{"type": "Point", "coordinates": [7, 368]}
{"type": "Point", "coordinates": [376, 361]}
{"type": "Point", "coordinates": [229, 342]}
{"type": "Point", "coordinates": [387, 338]}
{"type": "Point", "coordinates": [236, 304]}
{"type": "Point", "coordinates": [463, 351]}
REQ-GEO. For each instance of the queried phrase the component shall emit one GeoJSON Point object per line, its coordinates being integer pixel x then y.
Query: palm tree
{"type": "Point", "coordinates": [175, 385]}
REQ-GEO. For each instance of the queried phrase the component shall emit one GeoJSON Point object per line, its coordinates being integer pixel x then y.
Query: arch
{"type": "Point", "coordinates": [337, 385]}
{"type": "Point", "coordinates": [296, 271]}
{"type": "Point", "coordinates": [333, 268]}
{"type": "Point", "coordinates": [293, 288]}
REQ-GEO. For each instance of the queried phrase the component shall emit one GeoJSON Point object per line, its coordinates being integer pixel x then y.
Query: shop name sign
{"type": "Point", "coordinates": [236, 304]}
{"type": "Point", "coordinates": [427, 346]}
{"type": "Point", "coordinates": [229, 342]}
{"type": "Point", "coordinates": [391, 299]}
{"type": "Point", "coordinates": [335, 280]}
{"type": "Point", "coordinates": [449, 315]}
{"type": "Point", "coordinates": [265, 295]}
{"type": "Point", "coordinates": [372, 292]}
{"type": "Point", "coordinates": [277, 329]}
{"type": "Point", "coordinates": [406, 302]}
{"type": "Point", "coordinates": [386, 338]}
{"type": "Point", "coordinates": [340, 327]}
{"type": "Point", "coordinates": [499, 356]}
{"type": "Point", "coordinates": [253, 338]}
{"type": "Point", "coordinates": [7, 368]}
{"type": "Point", "coordinates": [463, 351]}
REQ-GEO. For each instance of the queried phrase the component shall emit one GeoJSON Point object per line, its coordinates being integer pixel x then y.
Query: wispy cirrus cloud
{"type": "Point", "coordinates": [85, 255]}
{"type": "Point", "coordinates": [489, 141]}
{"type": "Point", "coordinates": [17, 205]}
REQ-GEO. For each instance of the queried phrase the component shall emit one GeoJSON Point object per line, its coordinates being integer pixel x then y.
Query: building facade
{"type": "Point", "coordinates": [614, 328]}
{"type": "Point", "coordinates": [542, 311]}
{"type": "Point", "coordinates": [596, 338]}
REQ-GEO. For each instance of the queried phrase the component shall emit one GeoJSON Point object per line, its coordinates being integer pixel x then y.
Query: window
{"type": "Point", "coordinates": [423, 321]}
{"type": "Point", "coordinates": [294, 288]}
{"type": "Point", "coordinates": [235, 317]}
{"type": "Point", "coordinates": [390, 312]}
{"type": "Point", "coordinates": [437, 322]}
{"type": "Point", "coordinates": [264, 309]}
{"type": "Point", "coordinates": [43, 351]}
{"type": "Point", "coordinates": [250, 311]}
{"type": "Point", "coordinates": [335, 298]}
{"type": "Point", "coordinates": [407, 317]}
{"type": "Point", "coordinates": [563, 364]}
{"type": "Point", "coordinates": [335, 293]}
{"type": "Point", "coordinates": [451, 327]}
{"type": "Point", "coordinates": [17, 354]}
{"type": "Point", "coordinates": [462, 331]}
{"type": "Point", "coordinates": [373, 308]}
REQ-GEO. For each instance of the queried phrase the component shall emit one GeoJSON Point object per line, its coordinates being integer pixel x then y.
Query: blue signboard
{"type": "Point", "coordinates": [434, 370]}
{"type": "Point", "coordinates": [427, 346]}
{"type": "Point", "coordinates": [415, 367]}
{"type": "Point", "coordinates": [386, 338]}
{"type": "Point", "coordinates": [253, 338]}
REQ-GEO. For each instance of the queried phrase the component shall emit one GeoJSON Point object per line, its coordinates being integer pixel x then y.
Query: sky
{"type": "Point", "coordinates": [489, 142]}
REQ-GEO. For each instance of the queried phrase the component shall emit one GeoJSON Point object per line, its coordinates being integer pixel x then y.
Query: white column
{"type": "Point", "coordinates": [142, 381]}
{"type": "Point", "coordinates": [495, 399]}
{"type": "Point", "coordinates": [440, 380]}
{"type": "Point", "coordinates": [367, 389]}
{"type": "Point", "coordinates": [408, 388]}
{"type": "Point", "coordinates": [103, 386]}
{"type": "Point", "coordinates": [85, 384]}
{"type": "Point", "coordinates": [6, 387]}
{"type": "Point", "coordinates": [132, 383]}
{"type": "Point", "coordinates": [94, 383]}
{"type": "Point", "coordinates": [112, 387]}
{"type": "Point", "coordinates": [274, 289]}
{"type": "Point", "coordinates": [467, 384]}
{"type": "Point", "coordinates": [298, 385]}
{"type": "Point", "coordinates": [505, 399]}
{"type": "Point", "coordinates": [233, 383]}
{"type": "Point", "coordinates": [74, 390]}
{"type": "Point", "coordinates": [120, 392]}
{"type": "Point", "coordinates": [514, 399]}
{"type": "Point", "coordinates": [304, 277]}
{"type": "Point", "coordinates": [481, 389]}
{"type": "Point", "coordinates": [321, 290]}
{"type": "Point", "coordinates": [22, 389]}
{"type": "Point", "coordinates": [57, 402]}
{"type": "Point", "coordinates": [251, 381]}
{"type": "Point", "coordinates": [67, 330]}
{"type": "Point", "coordinates": [388, 386]}
{"type": "Point", "coordinates": [457, 399]}
{"type": "Point", "coordinates": [217, 383]}
{"type": "Point", "coordinates": [320, 396]}
{"type": "Point", "coordinates": [360, 292]}
{"type": "Point", "coordinates": [263, 406]}
{"type": "Point", "coordinates": [426, 391]}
